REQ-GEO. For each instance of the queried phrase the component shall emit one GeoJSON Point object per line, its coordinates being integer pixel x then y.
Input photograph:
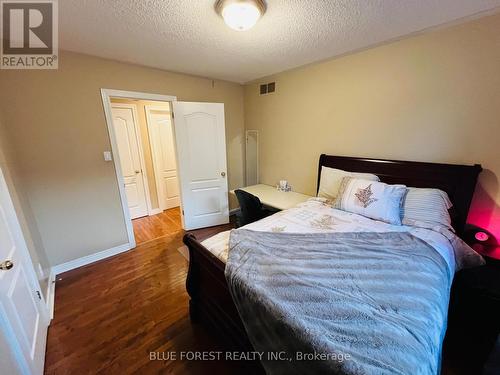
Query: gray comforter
{"type": "Point", "coordinates": [370, 303]}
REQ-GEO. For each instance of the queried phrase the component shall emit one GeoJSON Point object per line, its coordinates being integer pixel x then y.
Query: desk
{"type": "Point", "coordinates": [272, 197]}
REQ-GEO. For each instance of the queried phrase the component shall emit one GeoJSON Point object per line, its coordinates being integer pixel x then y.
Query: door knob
{"type": "Point", "coordinates": [223, 174]}
{"type": "Point", "coordinates": [6, 265]}
{"type": "Point", "coordinates": [137, 172]}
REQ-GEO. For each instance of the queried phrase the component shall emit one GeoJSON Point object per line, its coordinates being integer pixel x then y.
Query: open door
{"type": "Point", "coordinates": [201, 156]}
{"type": "Point", "coordinates": [23, 315]}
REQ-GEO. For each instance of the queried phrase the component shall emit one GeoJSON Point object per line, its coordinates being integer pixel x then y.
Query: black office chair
{"type": "Point", "coordinates": [250, 208]}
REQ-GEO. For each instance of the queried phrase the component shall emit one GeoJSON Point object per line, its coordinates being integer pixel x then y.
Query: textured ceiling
{"type": "Point", "coordinates": [188, 36]}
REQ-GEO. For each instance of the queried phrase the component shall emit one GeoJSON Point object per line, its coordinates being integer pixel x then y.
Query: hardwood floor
{"type": "Point", "coordinates": [110, 315]}
{"type": "Point", "coordinates": [165, 223]}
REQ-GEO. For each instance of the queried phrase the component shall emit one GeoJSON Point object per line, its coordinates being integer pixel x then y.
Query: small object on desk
{"type": "Point", "coordinates": [283, 186]}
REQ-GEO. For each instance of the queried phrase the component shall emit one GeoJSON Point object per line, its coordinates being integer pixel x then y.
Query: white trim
{"type": "Point", "coordinates": [155, 211]}
{"type": "Point", "coordinates": [162, 200]}
{"type": "Point", "coordinates": [83, 261]}
{"type": "Point", "coordinates": [137, 129]}
{"type": "Point", "coordinates": [106, 95]}
{"type": "Point", "coordinates": [51, 293]}
{"type": "Point", "coordinates": [138, 95]}
{"type": "Point", "coordinates": [116, 160]}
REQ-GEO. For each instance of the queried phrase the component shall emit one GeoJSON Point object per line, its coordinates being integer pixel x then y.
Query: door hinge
{"type": "Point", "coordinates": [39, 295]}
{"type": "Point", "coordinates": [173, 116]}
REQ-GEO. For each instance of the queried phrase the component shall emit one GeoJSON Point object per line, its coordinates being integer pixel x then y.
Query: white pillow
{"type": "Point", "coordinates": [372, 199]}
{"type": "Point", "coordinates": [426, 208]}
{"type": "Point", "coordinates": [331, 178]}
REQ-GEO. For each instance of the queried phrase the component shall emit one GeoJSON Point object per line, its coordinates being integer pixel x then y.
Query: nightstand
{"type": "Point", "coordinates": [474, 311]}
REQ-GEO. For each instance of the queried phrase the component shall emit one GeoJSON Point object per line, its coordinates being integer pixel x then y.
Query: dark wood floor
{"type": "Point", "coordinates": [111, 314]}
{"type": "Point", "coordinates": [152, 227]}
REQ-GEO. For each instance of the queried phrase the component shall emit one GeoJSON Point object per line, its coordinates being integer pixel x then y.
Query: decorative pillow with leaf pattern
{"type": "Point", "coordinates": [372, 199]}
{"type": "Point", "coordinates": [331, 178]}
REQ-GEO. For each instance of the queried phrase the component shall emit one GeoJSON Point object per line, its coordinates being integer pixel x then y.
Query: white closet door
{"type": "Point", "coordinates": [128, 142]}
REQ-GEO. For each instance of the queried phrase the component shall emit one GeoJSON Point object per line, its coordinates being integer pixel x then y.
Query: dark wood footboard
{"type": "Point", "coordinates": [211, 303]}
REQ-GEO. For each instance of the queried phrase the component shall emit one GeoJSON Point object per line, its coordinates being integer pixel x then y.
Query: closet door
{"type": "Point", "coordinates": [128, 142]}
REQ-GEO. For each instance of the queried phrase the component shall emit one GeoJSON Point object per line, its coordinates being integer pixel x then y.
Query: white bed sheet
{"type": "Point", "coordinates": [317, 215]}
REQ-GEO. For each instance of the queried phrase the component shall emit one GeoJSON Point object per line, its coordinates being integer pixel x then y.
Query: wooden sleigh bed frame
{"type": "Point", "coordinates": [210, 301]}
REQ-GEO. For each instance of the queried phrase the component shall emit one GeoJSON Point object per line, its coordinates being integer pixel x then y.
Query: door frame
{"type": "Point", "coordinates": [162, 199]}
{"type": "Point", "coordinates": [138, 136]}
{"type": "Point", "coordinates": [106, 95]}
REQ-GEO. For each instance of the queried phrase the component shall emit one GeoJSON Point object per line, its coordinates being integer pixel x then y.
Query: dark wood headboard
{"type": "Point", "coordinates": [458, 181]}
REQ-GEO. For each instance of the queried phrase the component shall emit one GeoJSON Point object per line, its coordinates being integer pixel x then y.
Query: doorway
{"type": "Point", "coordinates": [146, 149]}
{"type": "Point", "coordinates": [171, 173]}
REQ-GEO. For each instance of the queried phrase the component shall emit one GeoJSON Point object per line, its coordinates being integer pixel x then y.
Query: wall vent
{"type": "Point", "coordinates": [267, 88]}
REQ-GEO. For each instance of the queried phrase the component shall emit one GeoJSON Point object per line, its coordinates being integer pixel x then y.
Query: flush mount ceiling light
{"type": "Point", "coordinates": [240, 15]}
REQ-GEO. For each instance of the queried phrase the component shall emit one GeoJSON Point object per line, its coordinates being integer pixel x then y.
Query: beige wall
{"type": "Point", "coordinates": [10, 166]}
{"type": "Point", "coordinates": [433, 97]}
{"type": "Point", "coordinates": [56, 125]}
{"type": "Point", "coordinates": [146, 146]}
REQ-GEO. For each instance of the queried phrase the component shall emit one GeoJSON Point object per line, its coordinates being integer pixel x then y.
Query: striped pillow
{"type": "Point", "coordinates": [426, 208]}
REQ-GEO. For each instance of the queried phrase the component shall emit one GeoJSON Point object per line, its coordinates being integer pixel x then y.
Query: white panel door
{"type": "Point", "coordinates": [201, 157]}
{"type": "Point", "coordinates": [23, 315]}
{"type": "Point", "coordinates": [161, 137]}
{"type": "Point", "coordinates": [128, 142]}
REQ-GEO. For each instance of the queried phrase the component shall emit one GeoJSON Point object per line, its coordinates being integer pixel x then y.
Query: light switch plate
{"type": "Point", "coordinates": [108, 156]}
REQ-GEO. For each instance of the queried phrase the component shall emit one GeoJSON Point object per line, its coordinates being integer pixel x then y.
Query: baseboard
{"type": "Point", "coordinates": [51, 294]}
{"type": "Point", "coordinates": [83, 261]}
{"type": "Point", "coordinates": [155, 211]}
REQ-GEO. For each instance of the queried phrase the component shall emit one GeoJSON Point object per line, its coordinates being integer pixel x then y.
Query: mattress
{"type": "Point", "coordinates": [317, 216]}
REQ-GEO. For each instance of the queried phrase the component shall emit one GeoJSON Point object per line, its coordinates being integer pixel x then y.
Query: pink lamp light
{"type": "Point", "coordinates": [481, 236]}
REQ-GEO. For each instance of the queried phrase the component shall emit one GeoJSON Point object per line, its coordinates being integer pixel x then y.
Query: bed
{"type": "Point", "coordinates": [211, 303]}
